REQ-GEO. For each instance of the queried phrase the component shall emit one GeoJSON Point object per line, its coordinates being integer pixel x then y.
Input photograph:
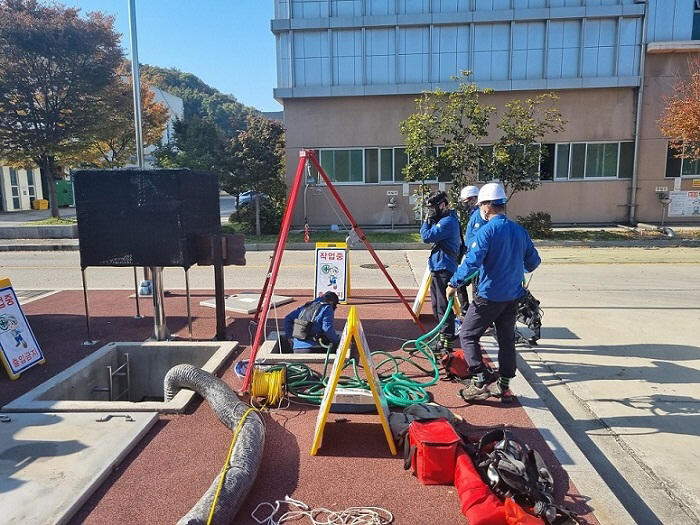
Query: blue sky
{"type": "Point", "coordinates": [226, 43]}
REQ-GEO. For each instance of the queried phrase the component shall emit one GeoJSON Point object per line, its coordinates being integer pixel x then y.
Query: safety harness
{"type": "Point", "coordinates": [514, 470]}
{"type": "Point", "coordinates": [305, 320]}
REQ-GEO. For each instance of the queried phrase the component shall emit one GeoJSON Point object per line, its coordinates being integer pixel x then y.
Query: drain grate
{"type": "Point", "coordinates": [372, 266]}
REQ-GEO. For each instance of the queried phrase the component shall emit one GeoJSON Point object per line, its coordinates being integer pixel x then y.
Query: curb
{"type": "Point", "coordinates": [22, 245]}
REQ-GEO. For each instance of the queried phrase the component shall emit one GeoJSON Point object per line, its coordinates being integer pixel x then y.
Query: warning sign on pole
{"type": "Point", "coordinates": [18, 347]}
{"type": "Point", "coordinates": [332, 270]}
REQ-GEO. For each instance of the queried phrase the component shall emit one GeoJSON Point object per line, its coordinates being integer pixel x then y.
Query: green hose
{"type": "Point", "coordinates": [399, 390]}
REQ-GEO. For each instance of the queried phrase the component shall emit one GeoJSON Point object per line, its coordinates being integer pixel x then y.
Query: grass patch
{"type": "Point", "coordinates": [52, 221]}
{"type": "Point", "coordinates": [408, 236]}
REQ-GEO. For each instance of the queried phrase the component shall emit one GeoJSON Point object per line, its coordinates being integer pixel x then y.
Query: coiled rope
{"type": "Point", "coordinates": [322, 516]}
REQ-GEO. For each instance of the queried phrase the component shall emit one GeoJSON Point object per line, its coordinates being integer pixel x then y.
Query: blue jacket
{"type": "Point", "coordinates": [501, 252]}
{"type": "Point", "coordinates": [322, 325]}
{"type": "Point", "coordinates": [445, 231]}
{"type": "Point", "coordinates": [475, 222]}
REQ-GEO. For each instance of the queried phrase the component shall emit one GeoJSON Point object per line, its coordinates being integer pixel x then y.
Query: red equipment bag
{"type": "Point", "coordinates": [517, 516]}
{"type": "Point", "coordinates": [430, 450]}
{"type": "Point", "coordinates": [479, 504]}
{"type": "Point", "coordinates": [455, 365]}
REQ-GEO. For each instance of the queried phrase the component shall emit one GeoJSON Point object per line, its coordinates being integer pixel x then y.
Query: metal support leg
{"type": "Point", "coordinates": [160, 331]}
{"type": "Point", "coordinates": [219, 288]}
{"type": "Point", "coordinates": [136, 295]}
{"type": "Point", "coordinates": [187, 295]}
{"type": "Point", "coordinates": [87, 309]}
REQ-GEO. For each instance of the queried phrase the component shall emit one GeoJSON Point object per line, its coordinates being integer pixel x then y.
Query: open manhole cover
{"type": "Point", "coordinates": [372, 266]}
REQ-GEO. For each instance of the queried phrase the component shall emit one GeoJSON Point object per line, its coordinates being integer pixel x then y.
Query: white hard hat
{"type": "Point", "coordinates": [468, 191]}
{"type": "Point", "coordinates": [492, 192]}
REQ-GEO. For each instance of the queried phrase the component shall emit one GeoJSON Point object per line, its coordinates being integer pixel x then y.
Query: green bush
{"type": "Point", "coordinates": [538, 224]}
{"type": "Point", "coordinates": [270, 217]}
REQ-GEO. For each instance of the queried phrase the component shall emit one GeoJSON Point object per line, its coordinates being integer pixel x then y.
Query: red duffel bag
{"type": "Point", "coordinates": [430, 450]}
{"type": "Point", "coordinates": [479, 504]}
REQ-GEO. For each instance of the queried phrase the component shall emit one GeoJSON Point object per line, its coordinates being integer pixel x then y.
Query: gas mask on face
{"type": "Point", "coordinates": [435, 213]}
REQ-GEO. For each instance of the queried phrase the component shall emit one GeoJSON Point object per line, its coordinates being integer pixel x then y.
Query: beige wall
{"type": "Point", "coordinates": [662, 70]}
{"type": "Point", "coordinates": [591, 115]}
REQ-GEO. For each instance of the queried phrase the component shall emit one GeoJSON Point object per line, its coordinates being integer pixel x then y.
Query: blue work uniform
{"type": "Point", "coordinates": [322, 325]}
{"type": "Point", "coordinates": [445, 234]}
{"type": "Point", "coordinates": [501, 252]}
{"type": "Point", "coordinates": [475, 222]}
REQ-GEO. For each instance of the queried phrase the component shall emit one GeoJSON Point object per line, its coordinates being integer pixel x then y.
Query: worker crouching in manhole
{"type": "Point", "coordinates": [310, 326]}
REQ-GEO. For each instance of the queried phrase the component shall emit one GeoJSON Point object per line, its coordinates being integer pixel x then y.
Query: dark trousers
{"type": "Point", "coordinates": [479, 317]}
{"type": "Point", "coordinates": [438, 285]}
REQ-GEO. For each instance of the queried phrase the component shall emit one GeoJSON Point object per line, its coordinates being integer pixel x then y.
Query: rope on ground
{"type": "Point", "coordinates": [320, 515]}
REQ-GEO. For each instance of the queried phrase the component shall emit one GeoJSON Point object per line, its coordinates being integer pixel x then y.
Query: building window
{"type": "Point", "coordinates": [413, 55]}
{"type": "Point", "coordinates": [528, 50]}
{"type": "Point", "coordinates": [599, 47]}
{"type": "Point", "coordinates": [310, 8]}
{"type": "Point", "coordinates": [450, 52]}
{"type": "Point", "coordinates": [14, 187]}
{"type": "Point", "coordinates": [594, 160]}
{"type": "Point", "coordinates": [695, 35]}
{"type": "Point", "coordinates": [491, 52]}
{"type": "Point", "coordinates": [680, 167]}
{"type": "Point", "coordinates": [347, 58]}
{"type": "Point", "coordinates": [380, 46]}
{"type": "Point", "coordinates": [563, 47]}
{"type": "Point", "coordinates": [342, 165]}
{"type": "Point", "coordinates": [311, 59]}
{"type": "Point", "coordinates": [347, 8]}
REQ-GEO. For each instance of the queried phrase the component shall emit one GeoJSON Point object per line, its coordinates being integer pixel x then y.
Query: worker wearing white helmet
{"type": "Point", "coordinates": [467, 198]}
{"type": "Point", "coordinates": [501, 251]}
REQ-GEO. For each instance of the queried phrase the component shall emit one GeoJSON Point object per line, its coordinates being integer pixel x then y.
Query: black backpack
{"type": "Point", "coordinates": [305, 320]}
{"type": "Point", "coordinates": [513, 470]}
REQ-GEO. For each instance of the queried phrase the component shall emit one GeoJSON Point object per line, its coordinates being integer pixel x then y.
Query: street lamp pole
{"type": "Point", "coordinates": [160, 330]}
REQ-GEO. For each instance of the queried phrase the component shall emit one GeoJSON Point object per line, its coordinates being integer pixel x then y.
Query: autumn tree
{"type": "Point", "coordinates": [115, 145]}
{"type": "Point", "coordinates": [55, 70]}
{"type": "Point", "coordinates": [681, 116]}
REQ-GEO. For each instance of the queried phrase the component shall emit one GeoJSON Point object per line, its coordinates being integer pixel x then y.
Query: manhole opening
{"type": "Point", "coordinates": [372, 266]}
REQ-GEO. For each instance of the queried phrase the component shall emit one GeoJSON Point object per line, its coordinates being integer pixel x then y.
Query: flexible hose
{"type": "Point", "coordinates": [399, 390]}
{"type": "Point", "coordinates": [247, 452]}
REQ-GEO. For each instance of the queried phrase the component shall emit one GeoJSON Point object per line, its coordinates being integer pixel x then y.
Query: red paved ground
{"type": "Point", "coordinates": [176, 462]}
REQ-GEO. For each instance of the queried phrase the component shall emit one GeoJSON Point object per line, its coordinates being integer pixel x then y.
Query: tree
{"type": "Point", "coordinates": [259, 164]}
{"type": "Point", "coordinates": [197, 144]}
{"type": "Point", "coordinates": [445, 139]}
{"type": "Point", "coordinates": [117, 144]}
{"type": "Point", "coordinates": [517, 154]}
{"type": "Point", "coordinates": [55, 68]}
{"type": "Point", "coordinates": [680, 120]}
{"type": "Point", "coordinates": [443, 136]}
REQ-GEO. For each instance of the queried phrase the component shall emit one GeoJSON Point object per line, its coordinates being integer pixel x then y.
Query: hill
{"type": "Point", "coordinates": [200, 99]}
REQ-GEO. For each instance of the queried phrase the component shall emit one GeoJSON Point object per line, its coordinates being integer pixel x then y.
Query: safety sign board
{"type": "Point", "coordinates": [353, 331]}
{"type": "Point", "coordinates": [18, 347]}
{"type": "Point", "coordinates": [332, 269]}
{"type": "Point", "coordinates": [684, 204]}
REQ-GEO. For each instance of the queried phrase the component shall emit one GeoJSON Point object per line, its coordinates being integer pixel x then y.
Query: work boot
{"type": "Point", "coordinates": [473, 392]}
{"type": "Point", "coordinates": [506, 395]}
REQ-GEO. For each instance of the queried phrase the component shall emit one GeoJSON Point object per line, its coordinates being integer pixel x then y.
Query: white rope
{"type": "Point", "coordinates": [322, 516]}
